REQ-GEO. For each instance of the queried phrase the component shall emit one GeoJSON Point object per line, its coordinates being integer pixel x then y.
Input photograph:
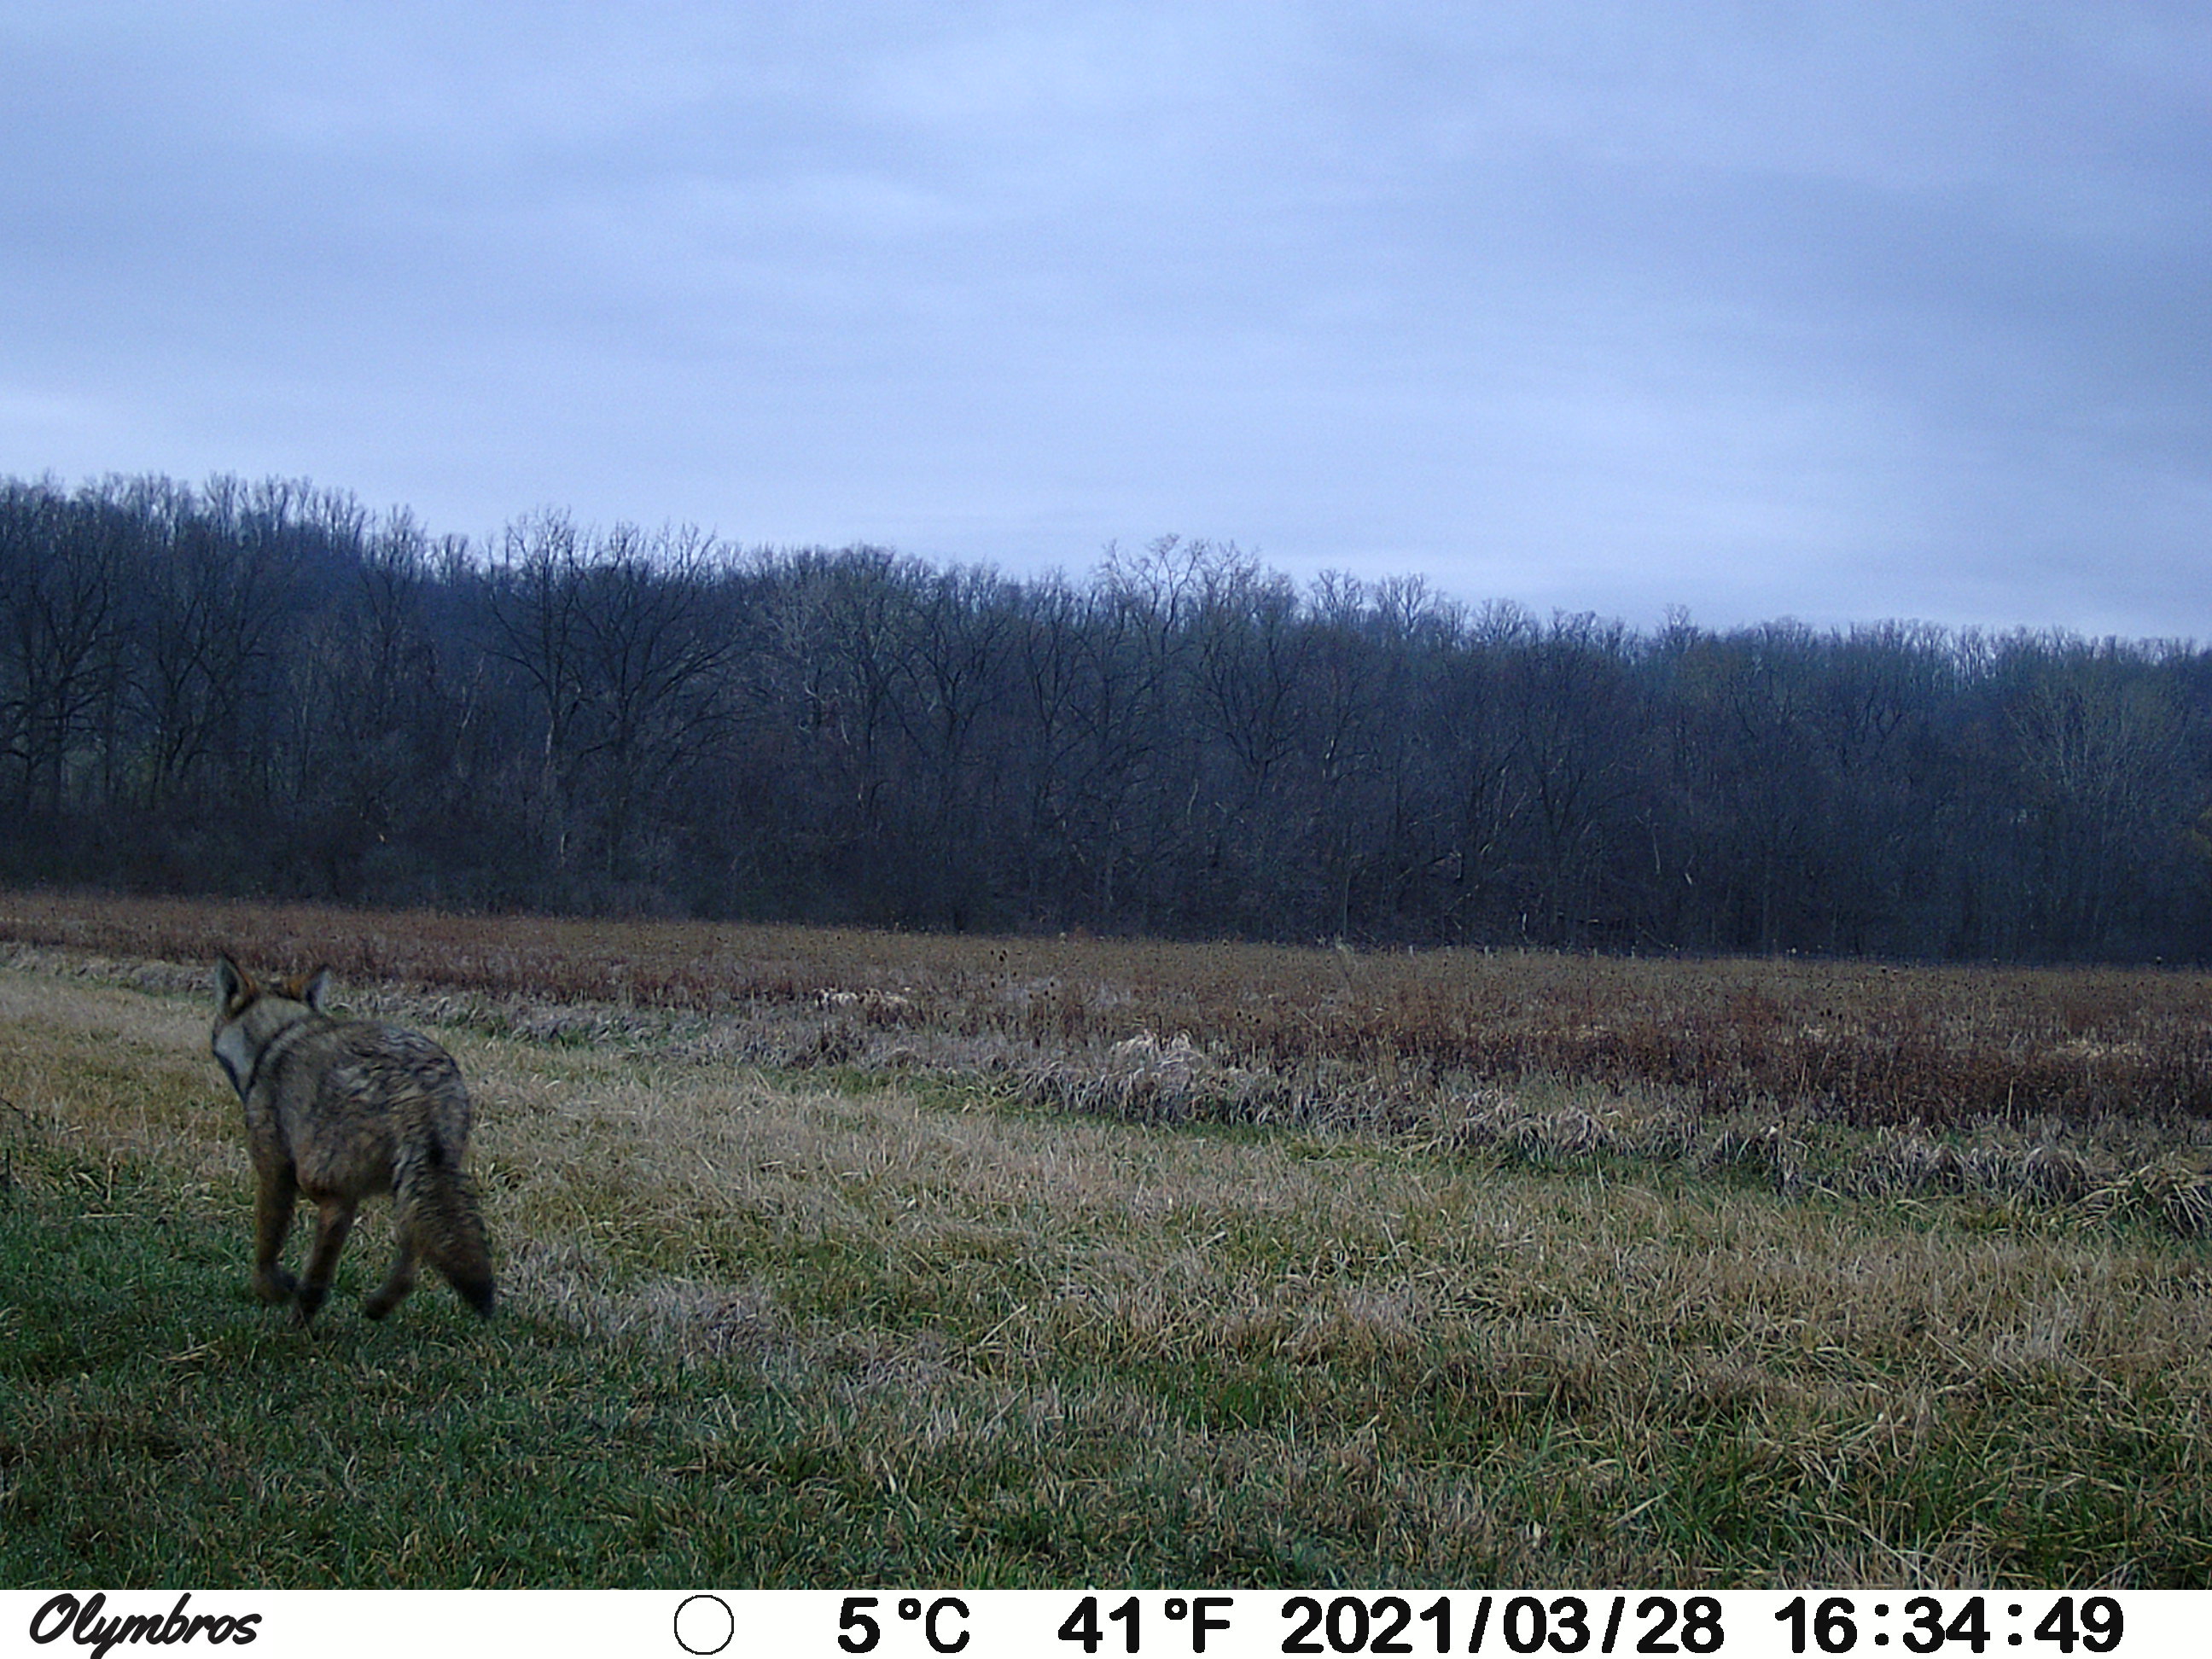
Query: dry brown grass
{"type": "Point", "coordinates": [2088, 1089]}
{"type": "Point", "coordinates": [940, 1331]}
{"type": "Point", "coordinates": [1864, 1044]}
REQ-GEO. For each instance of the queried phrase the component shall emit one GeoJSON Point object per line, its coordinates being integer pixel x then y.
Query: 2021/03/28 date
{"type": "Point", "coordinates": [1925, 1624]}
{"type": "Point", "coordinates": [1524, 1624]}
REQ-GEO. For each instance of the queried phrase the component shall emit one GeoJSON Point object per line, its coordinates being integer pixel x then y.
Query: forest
{"type": "Point", "coordinates": [264, 689]}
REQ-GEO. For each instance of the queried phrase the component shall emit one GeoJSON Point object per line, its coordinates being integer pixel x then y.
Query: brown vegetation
{"type": "Point", "coordinates": [1866, 1045]}
{"type": "Point", "coordinates": [2077, 1087]}
{"type": "Point", "coordinates": [861, 1319]}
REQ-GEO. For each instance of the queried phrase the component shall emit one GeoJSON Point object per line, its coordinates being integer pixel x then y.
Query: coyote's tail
{"type": "Point", "coordinates": [434, 1203]}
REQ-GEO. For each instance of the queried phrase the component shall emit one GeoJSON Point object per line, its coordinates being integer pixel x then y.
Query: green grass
{"type": "Point", "coordinates": [783, 1330]}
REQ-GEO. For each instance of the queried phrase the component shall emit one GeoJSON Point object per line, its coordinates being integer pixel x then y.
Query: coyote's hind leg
{"type": "Point", "coordinates": [397, 1282]}
{"type": "Point", "coordinates": [334, 1221]}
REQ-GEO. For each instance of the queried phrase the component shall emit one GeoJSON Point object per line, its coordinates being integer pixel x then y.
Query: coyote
{"type": "Point", "coordinates": [339, 1110]}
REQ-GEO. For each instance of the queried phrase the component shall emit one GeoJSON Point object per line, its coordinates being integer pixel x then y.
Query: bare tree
{"type": "Point", "coordinates": [64, 570]}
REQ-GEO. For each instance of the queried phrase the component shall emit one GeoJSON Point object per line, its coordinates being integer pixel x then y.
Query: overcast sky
{"type": "Point", "coordinates": [1837, 311]}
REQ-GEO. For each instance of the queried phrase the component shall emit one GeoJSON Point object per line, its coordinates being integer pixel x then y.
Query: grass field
{"type": "Point", "coordinates": [834, 1259]}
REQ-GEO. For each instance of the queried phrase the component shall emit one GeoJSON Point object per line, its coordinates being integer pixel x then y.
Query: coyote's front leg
{"type": "Point", "coordinates": [275, 1192]}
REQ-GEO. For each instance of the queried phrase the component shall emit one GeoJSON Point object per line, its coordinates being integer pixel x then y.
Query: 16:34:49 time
{"type": "Point", "coordinates": [1833, 1625]}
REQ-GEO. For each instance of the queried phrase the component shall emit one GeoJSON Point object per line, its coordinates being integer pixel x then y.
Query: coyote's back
{"type": "Point", "coordinates": [338, 1110]}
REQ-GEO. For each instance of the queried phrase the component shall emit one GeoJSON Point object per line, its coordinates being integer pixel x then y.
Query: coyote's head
{"type": "Point", "coordinates": [248, 1014]}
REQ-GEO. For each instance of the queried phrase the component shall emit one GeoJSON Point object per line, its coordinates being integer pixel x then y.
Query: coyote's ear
{"type": "Point", "coordinates": [318, 987]}
{"type": "Point", "coordinates": [230, 985]}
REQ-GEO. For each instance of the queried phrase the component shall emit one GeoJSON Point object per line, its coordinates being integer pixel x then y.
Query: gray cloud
{"type": "Point", "coordinates": [1861, 311]}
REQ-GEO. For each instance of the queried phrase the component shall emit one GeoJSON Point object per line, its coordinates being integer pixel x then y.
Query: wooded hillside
{"type": "Point", "coordinates": [264, 687]}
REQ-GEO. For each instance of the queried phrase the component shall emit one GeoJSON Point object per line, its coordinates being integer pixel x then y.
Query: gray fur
{"type": "Point", "coordinates": [338, 1110]}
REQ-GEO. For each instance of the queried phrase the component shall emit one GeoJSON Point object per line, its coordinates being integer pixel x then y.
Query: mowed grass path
{"type": "Point", "coordinates": [830, 1328]}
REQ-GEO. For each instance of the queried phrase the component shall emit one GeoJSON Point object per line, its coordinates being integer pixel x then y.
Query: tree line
{"type": "Point", "coordinates": [264, 688]}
